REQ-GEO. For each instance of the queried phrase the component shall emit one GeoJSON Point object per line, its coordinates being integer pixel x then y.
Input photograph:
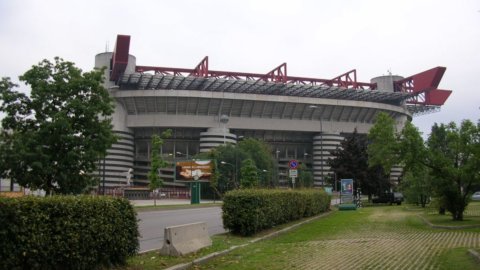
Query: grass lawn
{"type": "Point", "coordinates": [471, 216]}
{"type": "Point", "coordinates": [380, 237]}
{"type": "Point", "coordinates": [152, 260]}
{"type": "Point", "coordinates": [385, 237]}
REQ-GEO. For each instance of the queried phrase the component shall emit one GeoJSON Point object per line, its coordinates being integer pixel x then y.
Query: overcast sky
{"type": "Point", "coordinates": [320, 39]}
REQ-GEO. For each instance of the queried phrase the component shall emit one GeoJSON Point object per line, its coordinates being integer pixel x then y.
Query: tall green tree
{"type": "Point", "coordinates": [53, 138]}
{"type": "Point", "coordinates": [261, 154]}
{"type": "Point", "coordinates": [229, 160]}
{"type": "Point", "coordinates": [305, 177]}
{"type": "Point", "coordinates": [156, 163]}
{"type": "Point", "coordinates": [454, 157]}
{"type": "Point", "coordinates": [412, 154]}
{"type": "Point", "coordinates": [249, 174]}
{"type": "Point", "coordinates": [351, 161]}
{"type": "Point", "coordinates": [383, 147]}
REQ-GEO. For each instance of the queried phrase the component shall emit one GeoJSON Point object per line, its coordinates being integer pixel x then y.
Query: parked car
{"type": "Point", "coordinates": [389, 197]}
{"type": "Point", "coordinates": [476, 196]}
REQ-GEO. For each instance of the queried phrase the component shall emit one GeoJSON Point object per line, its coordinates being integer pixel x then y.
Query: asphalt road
{"type": "Point", "coordinates": [152, 223]}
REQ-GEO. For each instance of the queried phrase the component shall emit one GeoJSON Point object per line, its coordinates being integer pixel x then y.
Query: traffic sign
{"type": "Point", "coordinates": [293, 164]}
{"type": "Point", "coordinates": [293, 173]}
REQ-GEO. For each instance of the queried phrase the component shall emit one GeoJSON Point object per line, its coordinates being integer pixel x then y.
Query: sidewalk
{"type": "Point", "coordinates": [167, 202]}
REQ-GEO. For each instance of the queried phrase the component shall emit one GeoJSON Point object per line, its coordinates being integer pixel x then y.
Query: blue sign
{"type": "Point", "coordinates": [293, 164]}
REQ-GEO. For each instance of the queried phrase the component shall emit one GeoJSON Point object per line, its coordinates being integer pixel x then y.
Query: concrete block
{"type": "Point", "coordinates": [183, 239]}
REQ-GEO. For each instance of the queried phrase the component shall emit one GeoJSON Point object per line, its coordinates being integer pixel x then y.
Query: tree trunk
{"type": "Point", "coordinates": [458, 215]}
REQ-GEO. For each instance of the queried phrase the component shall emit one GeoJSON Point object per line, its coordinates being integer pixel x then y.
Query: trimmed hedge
{"type": "Point", "coordinates": [66, 232]}
{"type": "Point", "coordinates": [248, 211]}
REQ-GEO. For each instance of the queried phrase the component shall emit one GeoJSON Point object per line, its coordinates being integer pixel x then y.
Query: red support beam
{"type": "Point", "coordinates": [278, 74]}
{"type": "Point", "coordinates": [201, 70]}
{"type": "Point", "coordinates": [346, 80]}
{"type": "Point", "coordinates": [423, 86]}
{"type": "Point", "coordinates": [119, 60]}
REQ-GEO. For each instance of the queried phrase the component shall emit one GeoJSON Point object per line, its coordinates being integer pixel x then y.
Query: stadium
{"type": "Point", "coordinates": [300, 118]}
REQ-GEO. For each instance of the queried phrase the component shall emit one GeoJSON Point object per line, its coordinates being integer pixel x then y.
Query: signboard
{"type": "Point", "coordinates": [346, 191]}
{"type": "Point", "coordinates": [347, 186]}
{"type": "Point", "coordinates": [193, 170]}
{"type": "Point", "coordinates": [293, 164]}
{"type": "Point", "coordinates": [293, 173]}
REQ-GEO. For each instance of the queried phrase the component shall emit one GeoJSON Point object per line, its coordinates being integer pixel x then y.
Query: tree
{"type": "Point", "coordinates": [261, 154]}
{"type": "Point", "coordinates": [229, 159]}
{"type": "Point", "coordinates": [383, 146]}
{"type": "Point", "coordinates": [454, 157]}
{"type": "Point", "coordinates": [249, 174]}
{"type": "Point", "coordinates": [53, 139]}
{"type": "Point", "coordinates": [305, 177]}
{"type": "Point", "coordinates": [156, 162]}
{"type": "Point", "coordinates": [351, 161]}
{"type": "Point", "coordinates": [412, 154]}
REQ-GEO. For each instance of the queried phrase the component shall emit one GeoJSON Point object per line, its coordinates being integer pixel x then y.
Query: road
{"type": "Point", "coordinates": [152, 223]}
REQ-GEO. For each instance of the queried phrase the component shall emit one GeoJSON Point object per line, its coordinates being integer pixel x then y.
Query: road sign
{"type": "Point", "coordinates": [293, 164]}
{"type": "Point", "coordinates": [293, 173]}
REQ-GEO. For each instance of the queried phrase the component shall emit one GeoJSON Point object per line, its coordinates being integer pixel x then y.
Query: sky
{"type": "Point", "coordinates": [318, 38]}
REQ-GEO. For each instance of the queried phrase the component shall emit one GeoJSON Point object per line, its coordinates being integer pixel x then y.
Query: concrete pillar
{"type": "Point", "coordinates": [323, 144]}
{"type": "Point", "coordinates": [113, 170]}
{"type": "Point", "coordinates": [214, 137]}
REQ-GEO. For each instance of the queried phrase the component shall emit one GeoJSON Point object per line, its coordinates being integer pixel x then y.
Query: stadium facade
{"type": "Point", "coordinates": [301, 118]}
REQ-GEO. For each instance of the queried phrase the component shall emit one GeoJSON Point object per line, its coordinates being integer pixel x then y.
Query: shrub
{"type": "Point", "coordinates": [66, 232]}
{"type": "Point", "coordinates": [249, 211]}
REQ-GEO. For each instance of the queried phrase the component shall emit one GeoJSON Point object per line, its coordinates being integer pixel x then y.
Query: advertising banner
{"type": "Point", "coordinates": [346, 191]}
{"type": "Point", "coordinates": [347, 186]}
{"type": "Point", "coordinates": [194, 170]}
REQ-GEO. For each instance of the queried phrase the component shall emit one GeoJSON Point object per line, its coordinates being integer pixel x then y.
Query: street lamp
{"type": "Point", "coordinates": [263, 172]}
{"type": "Point", "coordinates": [235, 172]}
{"type": "Point", "coordinates": [314, 107]}
{"type": "Point", "coordinates": [181, 154]}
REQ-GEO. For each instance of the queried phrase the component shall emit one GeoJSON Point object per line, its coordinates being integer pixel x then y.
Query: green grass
{"type": "Point", "coordinates": [471, 216]}
{"type": "Point", "coordinates": [153, 260]}
{"type": "Point", "coordinates": [381, 237]}
{"type": "Point", "coordinates": [457, 258]}
{"type": "Point", "coordinates": [389, 231]}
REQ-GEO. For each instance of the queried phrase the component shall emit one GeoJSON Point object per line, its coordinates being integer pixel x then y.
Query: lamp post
{"type": "Point", "coordinates": [314, 107]}
{"type": "Point", "coordinates": [182, 154]}
{"type": "Point", "coordinates": [263, 172]}
{"type": "Point", "coordinates": [103, 177]}
{"type": "Point", "coordinates": [235, 172]}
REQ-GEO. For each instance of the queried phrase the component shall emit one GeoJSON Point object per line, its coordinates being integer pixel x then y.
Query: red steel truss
{"type": "Point", "coordinates": [422, 86]}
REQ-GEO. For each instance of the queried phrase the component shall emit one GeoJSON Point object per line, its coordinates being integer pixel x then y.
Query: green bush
{"type": "Point", "coordinates": [249, 211]}
{"type": "Point", "coordinates": [66, 232]}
